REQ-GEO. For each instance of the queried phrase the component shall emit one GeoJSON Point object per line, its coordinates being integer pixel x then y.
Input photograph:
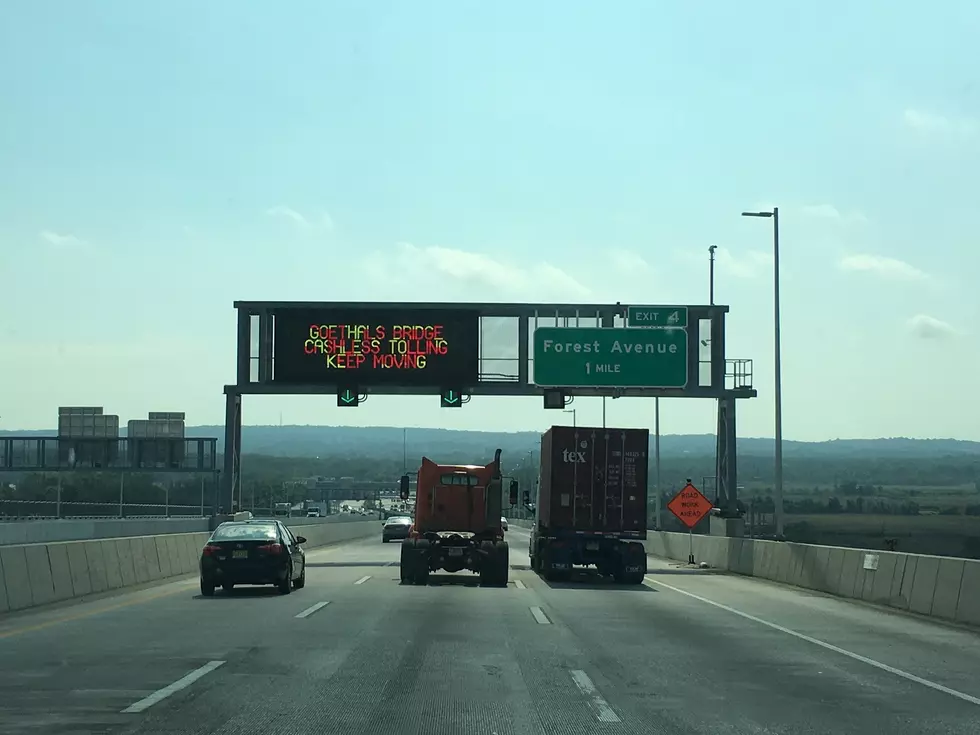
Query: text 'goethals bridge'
{"type": "Point", "coordinates": [453, 350]}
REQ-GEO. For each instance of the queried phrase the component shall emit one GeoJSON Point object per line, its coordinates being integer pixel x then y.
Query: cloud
{"type": "Point", "coordinates": [628, 261]}
{"type": "Point", "coordinates": [478, 275]}
{"type": "Point", "coordinates": [830, 212]}
{"type": "Point", "coordinates": [879, 265]}
{"type": "Point", "coordinates": [927, 327]}
{"type": "Point", "coordinates": [61, 241]}
{"type": "Point", "coordinates": [930, 123]}
{"type": "Point", "coordinates": [751, 264]}
{"type": "Point", "coordinates": [325, 222]}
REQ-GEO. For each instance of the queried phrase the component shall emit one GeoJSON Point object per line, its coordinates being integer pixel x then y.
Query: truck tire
{"type": "Point", "coordinates": [548, 571]}
{"type": "Point", "coordinates": [501, 565]}
{"type": "Point", "coordinates": [632, 567]}
{"type": "Point", "coordinates": [407, 563]}
{"type": "Point", "coordinates": [488, 563]}
{"type": "Point", "coordinates": [420, 564]}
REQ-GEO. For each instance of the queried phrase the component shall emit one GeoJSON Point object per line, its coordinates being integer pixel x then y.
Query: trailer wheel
{"type": "Point", "coordinates": [548, 571]}
{"type": "Point", "coordinates": [421, 562]}
{"type": "Point", "coordinates": [407, 563]}
{"type": "Point", "coordinates": [632, 564]}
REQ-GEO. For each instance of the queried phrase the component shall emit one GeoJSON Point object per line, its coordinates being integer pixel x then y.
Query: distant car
{"type": "Point", "coordinates": [313, 513]}
{"type": "Point", "coordinates": [253, 552]}
{"type": "Point", "coordinates": [396, 527]}
{"type": "Point", "coordinates": [503, 524]}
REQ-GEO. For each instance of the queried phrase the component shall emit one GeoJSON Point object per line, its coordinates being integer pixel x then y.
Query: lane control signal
{"type": "Point", "coordinates": [451, 398]}
{"type": "Point", "coordinates": [347, 397]}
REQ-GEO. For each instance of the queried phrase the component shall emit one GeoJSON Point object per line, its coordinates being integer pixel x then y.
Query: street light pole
{"type": "Point", "coordinates": [777, 366]}
{"type": "Point", "coordinates": [711, 274]}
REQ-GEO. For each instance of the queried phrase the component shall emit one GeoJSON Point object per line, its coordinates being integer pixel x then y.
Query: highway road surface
{"type": "Point", "coordinates": [689, 652]}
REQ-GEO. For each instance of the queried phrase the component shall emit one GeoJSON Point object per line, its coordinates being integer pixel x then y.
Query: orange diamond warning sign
{"type": "Point", "coordinates": [690, 506]}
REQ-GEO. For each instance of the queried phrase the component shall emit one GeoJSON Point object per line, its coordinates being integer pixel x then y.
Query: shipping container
{"type": "Point", "coordinates": [80, 410]}
{"type": "Point", "coordinates": [88, 425]}
{"type": "Point", "coordinates": [167, 415]}
{"type": "Point", "coordinates": [155, 429]}
{"type": "Point", "coordinates": [594, 479]}
{"type": "Point", "coordinates": [591, 505]}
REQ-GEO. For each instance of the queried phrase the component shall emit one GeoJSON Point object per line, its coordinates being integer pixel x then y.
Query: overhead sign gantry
{"type": "Point", "coordinates": [356, 350]}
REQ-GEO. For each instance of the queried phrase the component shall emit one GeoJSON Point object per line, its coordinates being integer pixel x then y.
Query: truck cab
{"type": "Point", "coordinates": [458, 522]}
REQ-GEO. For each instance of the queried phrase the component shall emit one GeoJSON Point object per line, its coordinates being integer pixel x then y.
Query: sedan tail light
{"type": "Point", "coordinates": [271, 548]}
{"type": "Point", "coordinates": [211, 549]}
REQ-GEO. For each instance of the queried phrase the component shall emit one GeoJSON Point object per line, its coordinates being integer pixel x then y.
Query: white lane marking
{"type": "Point", "coordinates": [390, 564]}
{"type": "Point", "coordinates": [362, 580]}
{"type": "Point", "coordinates": [829, 646]}
{"type": "Point", "coordinates": [603, 711]}
{"type": "Point", "coordinates": [182, 683]}
{"type": "Point", "coordinates": [539, 615]}
{"type": "Point", "coordinates": [310, 610]}
{"type": "Point", "coordinates": [519, 584]}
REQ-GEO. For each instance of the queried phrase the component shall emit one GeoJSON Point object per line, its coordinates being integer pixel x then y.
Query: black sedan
{"type": "Point", "coordinates": [396, 527]}
{"type": "Point", "coordinates": [253, 552]}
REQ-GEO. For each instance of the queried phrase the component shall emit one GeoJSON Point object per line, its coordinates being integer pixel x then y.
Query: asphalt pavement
{"type": "Point", "coordinates": [354, 652]}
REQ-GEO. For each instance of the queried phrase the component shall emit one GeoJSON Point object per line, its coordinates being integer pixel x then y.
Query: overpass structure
{"type": "Point", "coordinates": [454, 351]}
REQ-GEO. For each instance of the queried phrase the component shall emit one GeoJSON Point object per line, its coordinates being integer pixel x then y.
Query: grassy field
{"type": "Point", "coordinates": [888, 524]}
{"type": "Point", "coordinates": [923, 534]}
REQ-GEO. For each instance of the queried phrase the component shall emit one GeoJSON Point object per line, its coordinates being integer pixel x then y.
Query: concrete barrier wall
{"type": "Point", "coordinates": [36, 574]}
{"type": "Point", "coordinates": [938, 586]}
{"type": "Point", "coordinates": [75, 529]}
{"type": "Point", "coordinates": [41, 532]}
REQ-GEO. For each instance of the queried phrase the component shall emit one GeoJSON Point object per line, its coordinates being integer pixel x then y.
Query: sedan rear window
{"type": "Point", "coordinates": [244, 533]}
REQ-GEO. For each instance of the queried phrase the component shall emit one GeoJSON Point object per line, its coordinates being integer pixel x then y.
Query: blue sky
{"type": "Point", "coordinates": [160, 160]}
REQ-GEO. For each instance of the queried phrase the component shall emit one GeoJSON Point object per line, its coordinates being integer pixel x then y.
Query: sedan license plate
{"type": "Point", "coordinates": [455, 552]}
{"type": "Point", "coordinates": [592, 546]}
{"type": "Point", "coordinates": [240, 554]}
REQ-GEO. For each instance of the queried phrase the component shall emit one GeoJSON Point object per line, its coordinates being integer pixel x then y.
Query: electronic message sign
{"type": "Point", "coordinates": [375, 347]}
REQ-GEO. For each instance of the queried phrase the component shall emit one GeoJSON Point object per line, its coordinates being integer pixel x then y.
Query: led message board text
{"type": "Point", "coordinates": [353, 346]}
{"type": "Point", "coordinates": [411, 348]}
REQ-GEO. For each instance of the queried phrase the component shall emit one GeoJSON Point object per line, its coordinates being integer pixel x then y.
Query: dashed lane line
{"type": "Point", "coordinates": [310, 610]}
{"type": "Point", "coordinates": [603, 711]}
{"type": "Point", "coordinates": [160, 694]}
{"type": "Point", "coordinates": [539, 616]}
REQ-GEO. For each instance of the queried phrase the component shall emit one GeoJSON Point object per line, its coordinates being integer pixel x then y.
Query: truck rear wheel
{"type": "Point", "coordinates": [546, 565]}
{"type": "Point", "coordinates": [420, 563]}
{"type": "Point", "coordinates": [501, 563]}
{"type": "Point", "coordinates": [495, 564]}
{"type": "Point", "coordinates": [407, 563]}
{"type": "Point", "coordinates": [633, 564]}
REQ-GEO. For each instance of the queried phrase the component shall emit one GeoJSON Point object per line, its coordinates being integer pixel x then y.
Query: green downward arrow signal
{"type": "Point", "coordinates": [348, 397]}
{"type": "Point", "coordinates": [450, 397]}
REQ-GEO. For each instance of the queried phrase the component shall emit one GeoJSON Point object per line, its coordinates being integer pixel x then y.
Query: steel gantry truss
{"type": "Point", "coordinates": [712, 375]}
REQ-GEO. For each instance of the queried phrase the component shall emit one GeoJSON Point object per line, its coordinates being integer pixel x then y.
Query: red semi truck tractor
{"type": "Point", "coordinates": [591, 506]}
{"type": "Point", "coordinates": [457, 523]}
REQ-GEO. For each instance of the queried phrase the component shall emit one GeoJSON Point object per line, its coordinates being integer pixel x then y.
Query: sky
{"type": "Point", "coordinates": [159, 161]}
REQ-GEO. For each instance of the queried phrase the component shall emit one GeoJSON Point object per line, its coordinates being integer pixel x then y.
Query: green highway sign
{"type": "Point", "coordinates": [656, 316]}
{"type": "Point", "coordinates": [595, 357]}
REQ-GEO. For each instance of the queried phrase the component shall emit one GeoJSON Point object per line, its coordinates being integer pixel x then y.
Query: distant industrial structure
{"type": "Point", "coordinates": [89, 438]}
